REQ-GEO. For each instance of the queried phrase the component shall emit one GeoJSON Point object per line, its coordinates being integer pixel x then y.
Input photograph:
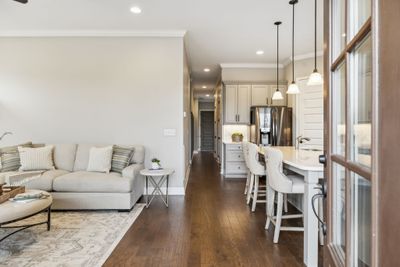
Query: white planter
{"type": "Point", "coordinates": [155, 166]}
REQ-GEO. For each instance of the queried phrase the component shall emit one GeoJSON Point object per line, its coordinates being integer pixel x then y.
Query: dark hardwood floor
{"type": "Point", "coordinates": [210, 226]}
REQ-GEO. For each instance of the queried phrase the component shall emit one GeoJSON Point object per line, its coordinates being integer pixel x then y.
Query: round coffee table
{"type": "Point", "coordinates": [11, 212]}
{"type": "Point", "coordinates": [151, 176]}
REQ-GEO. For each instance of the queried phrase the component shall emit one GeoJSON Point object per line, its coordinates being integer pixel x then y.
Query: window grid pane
{"type": "Point", "coordinates": [339, 207]}
{"type": "Point", "coordinates": [339, 110]}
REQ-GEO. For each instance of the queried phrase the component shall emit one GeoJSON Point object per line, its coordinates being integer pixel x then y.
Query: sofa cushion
{"type": "Point", "coordinates": [9, 156]}
{"type": "Point", "coordinates": [45, 182]}
{"type": "Point", "coordinates": [64, 156]}
{"type": "Point", "coordinates": [100, 159]}
{"type": "Point", "coordinates": [33, 159]}
{"type": "Point", "coordinates": [83, 181]}
{"type": "Point", "coordinates": [82, 156]}
{"type": "Point", "coordinates": [121, 158]}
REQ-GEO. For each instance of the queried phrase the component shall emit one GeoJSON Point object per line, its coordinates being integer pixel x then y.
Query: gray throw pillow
{"type": "Point", "coordinates": [121, 158]}
{"type": "Point", "coordinates": [9, 156]}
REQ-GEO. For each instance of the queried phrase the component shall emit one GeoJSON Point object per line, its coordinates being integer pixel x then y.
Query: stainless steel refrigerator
{"type": "Point", "coordinates": [271, 126]}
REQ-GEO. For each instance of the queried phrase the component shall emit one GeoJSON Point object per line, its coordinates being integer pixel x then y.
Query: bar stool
{"type": "Point", "coordinates": [245, 148]}
{"type": "Point", "coordinates": [256, 170]}
{"type": "Point", "coordinates": [282, 184]}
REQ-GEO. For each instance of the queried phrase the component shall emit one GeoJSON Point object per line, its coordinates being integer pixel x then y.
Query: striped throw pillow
{"type": "Point", "coordinates": [10, 160]}
{"type": "Point", "coordinates": [121, 158]}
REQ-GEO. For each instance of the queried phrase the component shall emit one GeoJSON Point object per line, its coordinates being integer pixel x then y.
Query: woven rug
{"type": "Point", "coordinates": [84, 238]}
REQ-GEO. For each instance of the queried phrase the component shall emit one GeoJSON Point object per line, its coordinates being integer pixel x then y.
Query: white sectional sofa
{"type": "Point", "coordinates": [73, 188]}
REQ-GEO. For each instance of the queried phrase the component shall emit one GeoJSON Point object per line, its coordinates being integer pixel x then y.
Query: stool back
{"type": "Point", "coordinates": [254, 165]}
{"type": "Point", "coordinates": [245, 148]}
{"type": "Point", "coordinates": [276, 178]}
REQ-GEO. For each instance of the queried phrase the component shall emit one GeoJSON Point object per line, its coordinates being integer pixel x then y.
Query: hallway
{"type": "Point", "coordinates": [210, 226]}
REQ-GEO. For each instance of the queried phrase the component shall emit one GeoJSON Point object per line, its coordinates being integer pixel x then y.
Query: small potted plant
{"type": "Point", "coordinates": [237, 137]}
{"type": "Point", "coordinates": [155, 164]}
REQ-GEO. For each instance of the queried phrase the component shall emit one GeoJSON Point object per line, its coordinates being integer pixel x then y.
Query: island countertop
{"type": "Point", "coordinates": [306, 160]}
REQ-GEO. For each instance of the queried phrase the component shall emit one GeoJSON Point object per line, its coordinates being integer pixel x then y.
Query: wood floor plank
{"type": "Point", "coordinates": [210, 226]}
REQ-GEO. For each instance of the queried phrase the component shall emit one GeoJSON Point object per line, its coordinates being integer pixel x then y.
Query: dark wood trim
{"type": "Point", "coordinates": [359, 37]}
{"type": "Point", "coordinates": [341, 58]}
{"type": "Point", "coordinates": [353, 167]}
{"type": "Point", "coordinates": [387, 44]}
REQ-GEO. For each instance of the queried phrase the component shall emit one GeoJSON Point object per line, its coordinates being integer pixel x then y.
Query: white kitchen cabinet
{"type": "Point", "coordinates": [237, 102]}
{"type": "Point", "coordinates": [243, 104]}
{"type": "Point", "coordinates": [235, 166]}
{"type": "Point", "coordinates": [260, 95]}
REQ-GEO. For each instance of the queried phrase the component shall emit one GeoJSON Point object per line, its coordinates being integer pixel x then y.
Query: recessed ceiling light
{"type": "Point", "coordinates": [207, 70]}
{"type": "Point", "coordinates": [204, 87]}
{"type": "Point", "coordinates": [260, 52]}
{"type": "Point", "coordinates": [136, 10]}
{"type": "Point", "coordinates": [207, 95]}
{"type": "Point", "coordinates": [343, 34]}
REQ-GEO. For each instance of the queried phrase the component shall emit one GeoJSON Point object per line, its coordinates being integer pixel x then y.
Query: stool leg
{"type": "Point", "coordinates": [250, 189]}
{"type": "Point", "coordinates": [247, 183]}
{"type": "Point", "coordinates": [270, 206]}
{"type": "Point", "coordinates": [255, 197]}
{"type": "Point", "coordinates": [278, 217]}
{"type": "Point", "coordinates": [285, 204]}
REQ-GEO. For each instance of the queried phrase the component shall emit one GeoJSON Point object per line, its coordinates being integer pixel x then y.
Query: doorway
{"type": "Point", "coordinates": [207, 130]}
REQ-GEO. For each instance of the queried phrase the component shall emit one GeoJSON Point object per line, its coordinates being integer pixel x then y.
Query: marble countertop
{"type": "Point", "coordinates": [302, 159]}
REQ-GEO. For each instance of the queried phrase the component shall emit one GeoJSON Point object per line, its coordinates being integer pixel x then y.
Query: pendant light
{"type": "Point", "coordinates": [293, 88]}
{"type": "Point", "coordinates": [277, 95]}
{"type": "Point", "coordinates": [315, 77]}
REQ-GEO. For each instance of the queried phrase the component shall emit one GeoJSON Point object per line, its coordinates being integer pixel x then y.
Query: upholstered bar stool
{"type": "Point", "coordinates": [245, 147]}
{"type": "Point", "coordinates": [255, 190]}
{"type": "Point", "coordinates": [281, 184]}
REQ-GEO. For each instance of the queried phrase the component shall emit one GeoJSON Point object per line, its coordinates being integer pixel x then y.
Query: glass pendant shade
{"type": "Point", "coordinates": [293, 89]}
{"type": "Point", "coordinates": [315, 79]}
{"type": "Point", "coordinates": [277, 95]}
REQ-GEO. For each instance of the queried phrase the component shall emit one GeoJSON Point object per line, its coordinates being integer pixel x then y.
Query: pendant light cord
{"type": "Point", "coordinates": [277, 57]}
{"type": "Point", "coordinates": [293, 44]}
{"type": "Point", "coordinates": [315, 36]}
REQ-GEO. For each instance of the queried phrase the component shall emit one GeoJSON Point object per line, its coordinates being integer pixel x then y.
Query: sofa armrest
{"type": "Point", "coordinates": [132, 171]}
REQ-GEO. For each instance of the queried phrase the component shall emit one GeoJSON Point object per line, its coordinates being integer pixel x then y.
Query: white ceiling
{"type": "Point", "coordinates": [218, 31]}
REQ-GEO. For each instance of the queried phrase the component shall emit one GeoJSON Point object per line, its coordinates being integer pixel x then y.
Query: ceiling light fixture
{"type": "Point", "coordinates": [277, 95]}
{"type": "Point", "coordinates": [206, 70]}
{"type": "Point", "coordinates": [260, 52]}
{"type": "Point", "coordinates": [315, 77]}
{"type": "Point", "coordinates": [204, 87]}
{"type": "Point", "coordinates": [293, 88]}
{"type": "Point", "coordinates": [207, 95]}
{"type": "Point", "coordinates": [136, 10]}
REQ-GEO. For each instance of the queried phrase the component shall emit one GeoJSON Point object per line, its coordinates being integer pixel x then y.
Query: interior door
{"type": "Point", "coordinates": [349, 124]}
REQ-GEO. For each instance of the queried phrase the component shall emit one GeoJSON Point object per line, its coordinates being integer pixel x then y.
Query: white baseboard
{"type": "Point", "coordinates": [172, 191]}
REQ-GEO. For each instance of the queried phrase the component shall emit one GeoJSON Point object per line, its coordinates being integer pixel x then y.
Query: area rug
{"type": "Point", "coordinates": [84, 238]}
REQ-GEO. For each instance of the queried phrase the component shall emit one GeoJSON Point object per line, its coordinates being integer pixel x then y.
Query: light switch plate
{"type": "Point", "coordinates": [169, 132]}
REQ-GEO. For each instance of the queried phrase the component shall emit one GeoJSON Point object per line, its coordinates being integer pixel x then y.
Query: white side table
{"type": "Point", "coordinates": [157, 178]}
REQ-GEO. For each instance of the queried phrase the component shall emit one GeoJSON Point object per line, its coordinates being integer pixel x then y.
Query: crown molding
{"type": "Point", "coordinates": [178, 33]}
{"type": "Point", "coordinates": [302, 57]}
{"type": "Point", "coordinates": [250, 65]}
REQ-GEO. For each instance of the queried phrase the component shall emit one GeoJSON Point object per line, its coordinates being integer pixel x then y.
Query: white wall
{"type": "Point", "coordinates": [251, 74]}
{"type": "Point", "coordinates": [99, 90]}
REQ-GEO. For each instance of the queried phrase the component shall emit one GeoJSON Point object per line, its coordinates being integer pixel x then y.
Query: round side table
{"type": "Point", "coordinates": [157, 178]}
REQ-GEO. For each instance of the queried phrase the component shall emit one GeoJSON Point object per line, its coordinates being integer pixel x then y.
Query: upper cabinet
{"type": "Point", "coordinates": [237, 104]}
{"type": "Point", "coordinates": [261, 95]}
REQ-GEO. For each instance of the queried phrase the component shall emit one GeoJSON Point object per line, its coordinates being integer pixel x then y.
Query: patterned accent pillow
{"type": "Point", "coordinates": [121, 158]}
{"type": "Point", "coordinates": [10, 160]}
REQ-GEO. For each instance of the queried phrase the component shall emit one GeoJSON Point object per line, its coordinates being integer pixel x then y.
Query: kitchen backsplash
{"type": "Point", "coordinates": [228, 130]}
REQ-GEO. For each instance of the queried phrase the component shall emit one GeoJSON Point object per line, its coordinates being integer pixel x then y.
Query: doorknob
{"type": "Point", "coordinates": [322, 159]}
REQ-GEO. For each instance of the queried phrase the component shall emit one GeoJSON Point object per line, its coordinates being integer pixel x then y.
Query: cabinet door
{"type": "Point", "coordinates": [231, 104]}
{"type": "Point", "coordinates": [259, 95]}
{"type": "Point", "coordinates": [271, 92]}
{"type": "Point", "coordinates": [243, 103]}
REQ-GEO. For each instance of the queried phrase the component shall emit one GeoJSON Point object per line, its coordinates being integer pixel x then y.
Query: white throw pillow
{"type": "Point", "coordinates": [32, 159]}
{"type": "Point", "coordinates": [100, 159]}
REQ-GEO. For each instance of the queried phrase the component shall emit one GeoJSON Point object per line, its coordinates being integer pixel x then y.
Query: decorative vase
{"type": "Point", "coordinates": [155, 165]}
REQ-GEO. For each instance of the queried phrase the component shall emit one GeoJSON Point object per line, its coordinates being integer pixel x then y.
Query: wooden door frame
{"type": "Point", "coordinates": [385, 133]}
